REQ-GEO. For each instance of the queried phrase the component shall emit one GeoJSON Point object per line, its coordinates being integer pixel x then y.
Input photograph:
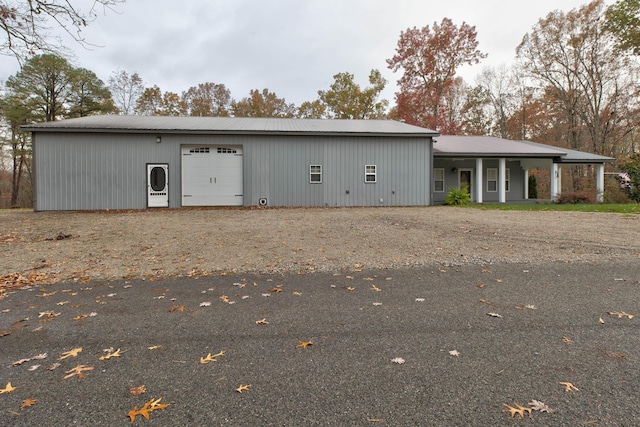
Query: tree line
{"type": "Point", "coordinates": [574, 83]}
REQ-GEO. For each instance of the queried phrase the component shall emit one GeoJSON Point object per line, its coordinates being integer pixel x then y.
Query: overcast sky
{"type": "Point", "coordinates": [291, 47]}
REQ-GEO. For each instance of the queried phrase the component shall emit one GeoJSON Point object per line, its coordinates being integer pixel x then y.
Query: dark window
{"type": "Point", "coordinates": [158, 178]}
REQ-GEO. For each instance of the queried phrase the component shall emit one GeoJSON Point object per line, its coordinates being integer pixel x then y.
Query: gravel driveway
{"type": "Point", "coordinates": [64, 246]}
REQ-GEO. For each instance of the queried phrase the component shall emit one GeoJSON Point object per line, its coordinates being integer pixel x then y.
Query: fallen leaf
{"type": "Point", "coordinates": [420, 300]}
{"type": "Point", "coordinates": [374, 288]}
{"type": "Point", "coordinates": [205, 304]}
{"type": "Point", "coordinates": [70, 353]}
{"type": "Point", "coordinates": [20, 362]}
{"type": "Point", "coordinates": [177, 308]}
{"type": "Point", "coordinates": [481, 286]}
{"type": "Point", "coordinates": [350, 288]}
{"type": "Point", "coordinates": [494, 315]}
{"type": "Point", "coordinates": [40, 356]}
{"type": "Point", "coordinates": [7, 389]}
{"type": "Point", "coordinates": [110, 355]}
{"type": "Point", "coordinates": [56, 365]}
{"type": "Point", "coordinates": [375, 420]}
{"type": "Point", "coordinates": [567, 340]}
{"type": "Point", "coordinates": [296, 293]}
{"type": "Point", "coordinates": [4, 333]}
{"type": "Point", "coordinates": [613, 354]}
{"type": "Point", "coordinates": [454, 353]}
{"type": "Point", "coordinates": [137, 391]}
{"type": "Point", "coordinates": [33, 368]}
{"type": "Point", "coordinates": [28, 402]}
{"type": "Point", "coordinates": [243, 388]}
{"type": "Point", "coordinates": [262, 322]}
{"type": "Point", "coordinates": [398, 360]}
{"type": "Point", "coordinates": [569, 387]}
{"type": "Point", "coordinates": [620, 314]}
{"type": "Point", "coordinates": [211, 358]}
{"type": "Point", "coordinates": [79, 371]}
{"type": "Point", "coordinates": [150, 406]}
{"type": "Point", "coordinates": [601, 320]}
{"type": "Point", "coordinates": [275, 289]}
{"type": "Point", "coordinates": [520, 410]}
{"type": "Point", "coordinates": [485, 301]}
{"type": "Point", "coordinates": [539, 406]}
{"type": "Point", "coordinates": [304, 344]}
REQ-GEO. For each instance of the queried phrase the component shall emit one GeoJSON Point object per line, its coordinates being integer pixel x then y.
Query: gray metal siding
{"type": "Point", "coordinates": [83, 171]}
{"type": "Point", "coordinates": [99, 171]}
{"type": "Point", "coordinates": [277, 168]}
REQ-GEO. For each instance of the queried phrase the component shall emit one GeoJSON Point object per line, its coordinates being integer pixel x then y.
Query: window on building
{"type": "Point", "coordinates": [315, 174]}
{"type": "Point", "coordinates": [370, 174]}
{"type": "Point", "coordinates": [492, 180]}
{"type": "Point", "coordinates": [438, 180]}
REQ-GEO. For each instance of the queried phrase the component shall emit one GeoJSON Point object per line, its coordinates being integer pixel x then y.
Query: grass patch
{"type": "Point", "coordinates": [627, 208]}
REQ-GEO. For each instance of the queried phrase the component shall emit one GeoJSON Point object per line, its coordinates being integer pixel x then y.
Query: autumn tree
{"type": "Point", "coordinates": [623, 20]}
{"type": "Point", "coordinates": [207, 100]}
{"type": "Point", "coordinates": [312, 110]}
{"type": "Point", "coordinates": [262, 104]}
{"type": "Point", "coordinates": [429, 58]}
{"type": "Point", "coordinates": [153, 102]}
{"type": "Point", "coordinates": [571, 56]}
{"type": "Point", "coordinates": [27, 25]}
{"type": "Point", "coordinates": [16, 112]}
{"type": "Point", "coordinates": [126, 89]}
{"type": "Point", "coordinates": [345, 99]}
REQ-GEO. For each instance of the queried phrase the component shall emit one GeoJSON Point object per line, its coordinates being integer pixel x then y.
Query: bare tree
{"type": "Point", "coordinates": [27, 25]}
{"type": "Point", "coordinates": [125, 90]}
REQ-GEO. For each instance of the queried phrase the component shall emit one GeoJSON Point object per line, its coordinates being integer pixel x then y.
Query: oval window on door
{"type": "Point", "coordinates": [158, 178]}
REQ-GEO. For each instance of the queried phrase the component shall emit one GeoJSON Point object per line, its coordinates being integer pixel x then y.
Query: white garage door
{"type": "Point", "coordinates": [211, 176]}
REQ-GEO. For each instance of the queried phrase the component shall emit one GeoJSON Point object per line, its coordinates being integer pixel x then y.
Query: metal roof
{"type": "Point", "coordinates": [231, 125]}
{"type": "Point", "coordinates": [489, 146]}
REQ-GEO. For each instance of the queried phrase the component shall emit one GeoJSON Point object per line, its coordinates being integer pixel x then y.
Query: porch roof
{"type": "Point", "coordinates": [459, 146]}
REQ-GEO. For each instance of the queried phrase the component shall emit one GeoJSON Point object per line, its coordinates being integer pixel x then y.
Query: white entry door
{"type": "Point", "coordinates": [212, 176]}
{"type": "Point", "coordinates": [158, 185]}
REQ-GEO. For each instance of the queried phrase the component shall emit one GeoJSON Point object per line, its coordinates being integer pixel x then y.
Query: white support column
{"type": "Point", "coordinates": [553, 184]}
{"type": "Point", "coordinates": [479, 180]}
{"type": "Point", "coordinates": [526, 184]}
{"type": "Point", "coordinates": [559, 181]}
{"type": "Point", "coordinates": [600, 183]}
{"type": "Point", "coordinates": [502, 175]}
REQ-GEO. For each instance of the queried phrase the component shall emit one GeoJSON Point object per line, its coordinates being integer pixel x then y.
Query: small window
{"type": "Point", "coordinates": [315, 174]}
{"type": "Point", "coordinates": [225, 150]}
{"type": "Point", "coordinates": [199, 150]}
{"type": "Point", "coordinates": [492, 180]}
{"type": "Point", "coordinates": [370, 174]}
{"type": "Point", "coordinates": [438, 180]}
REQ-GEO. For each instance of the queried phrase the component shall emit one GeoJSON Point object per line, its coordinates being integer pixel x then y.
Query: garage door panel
{"type": "Point", "coordinates": [212, 176]}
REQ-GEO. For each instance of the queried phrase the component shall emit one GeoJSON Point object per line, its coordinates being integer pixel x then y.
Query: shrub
{"type": "Point", "coordinates": [574, 198]}
{"type": "Point", "coordinates": [533, 187]}
{"type": "Point", "coordinates": [630, 179]}
{"type": "Point", "coordinates": [457, 196]}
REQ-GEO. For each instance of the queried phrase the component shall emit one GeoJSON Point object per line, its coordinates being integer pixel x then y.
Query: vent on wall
{"type": "Point", "coordinates": [262, 201]}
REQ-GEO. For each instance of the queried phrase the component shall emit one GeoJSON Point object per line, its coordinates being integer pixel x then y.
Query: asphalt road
{"type": "Point", "coordinates": [554, 328]}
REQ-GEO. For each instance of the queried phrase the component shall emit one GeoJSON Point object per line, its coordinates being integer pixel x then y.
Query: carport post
{"type": "Point", "coordinates": [479, 184]}
{"type": "Point", "coordinates": [553, 184]}
{"type": "Point", "coordinates": [502, 175]}
{"type": "Point", "coordinates": [526, 184]}
{"type": "Point", "coordinates": [600, 182]}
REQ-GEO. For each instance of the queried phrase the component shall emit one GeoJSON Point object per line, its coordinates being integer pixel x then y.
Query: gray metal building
{"type": "Point", "coordinates": [135, 162]}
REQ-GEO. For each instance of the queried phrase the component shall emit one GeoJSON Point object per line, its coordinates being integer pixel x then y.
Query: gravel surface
{"type": "Point", "coordinates": [417, 316]}
{"type": "Point", "coordinates": [65, 246]}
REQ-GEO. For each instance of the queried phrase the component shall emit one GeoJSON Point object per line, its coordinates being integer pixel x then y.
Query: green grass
{"type": "Point", "coordinates": [598, 207]}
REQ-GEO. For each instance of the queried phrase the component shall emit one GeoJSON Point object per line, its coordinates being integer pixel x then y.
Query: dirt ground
{"type": "Point", "coordinates": [50, 247]}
